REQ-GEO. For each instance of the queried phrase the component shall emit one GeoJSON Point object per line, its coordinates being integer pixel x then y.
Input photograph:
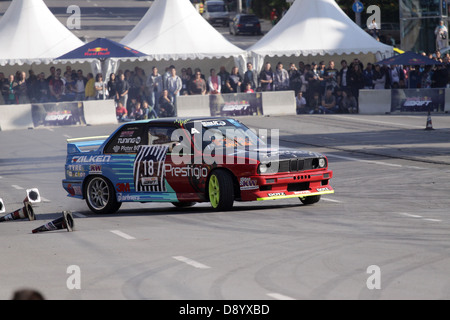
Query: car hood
{"type": "Point", "coordinates": [275, 154]}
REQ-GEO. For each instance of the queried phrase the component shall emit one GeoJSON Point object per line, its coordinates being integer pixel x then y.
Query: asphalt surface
{"type": "Point", "coordinates": [390, 210]}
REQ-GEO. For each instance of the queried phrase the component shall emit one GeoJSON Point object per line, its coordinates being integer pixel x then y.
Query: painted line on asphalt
{"type": "Point", "coordinates": [332, 200]}
{"type": "Point", "coordinates": [409, 215]}
{"type": "Point", "coordinates": [279, 296]}
{"type": "Point", "coordinates": [381, 122]}
{"type": "Point", "coordinates": [191, 262]}
{"type": "Point", "coordinates": [123, 234]}
{"type": "Point", "coordinates": [366, 161]}
{"type": "Point", "coordinates": [17, 187]}
{"type": "Point", "coordinates": [78, 215]}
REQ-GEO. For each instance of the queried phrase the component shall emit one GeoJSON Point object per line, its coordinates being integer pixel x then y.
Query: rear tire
{"type": "Point", "coordinates": [184, 204]}
{"type": "Point", "coordinates": [310, 200]}
{"type": "Point", "coordinates": [221, 190]}
{"type": "Point", "coordinates": [101, 196]}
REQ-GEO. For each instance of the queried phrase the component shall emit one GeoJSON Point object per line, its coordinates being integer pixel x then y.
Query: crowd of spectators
{"type": "Point", "coordinates": [318, 87]}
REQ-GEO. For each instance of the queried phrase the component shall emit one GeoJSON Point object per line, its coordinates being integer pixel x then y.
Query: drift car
{"type": "Point", "coordinates": [185, 161]}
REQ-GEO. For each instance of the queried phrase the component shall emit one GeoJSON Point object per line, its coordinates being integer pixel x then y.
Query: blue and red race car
{"type": "Point", "coordinates": [185, 161]}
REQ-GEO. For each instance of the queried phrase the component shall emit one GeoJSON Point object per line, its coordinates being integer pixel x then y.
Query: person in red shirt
{"type": "Point", "coordinates": [121, 112]}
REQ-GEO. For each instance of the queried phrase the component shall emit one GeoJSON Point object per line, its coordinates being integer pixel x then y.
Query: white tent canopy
{"type": "Point", "coordinates": [173, 30]}
{"type": "Point", "coordinates": [30, 33]}
{"type": "Point", "coordinates": [316, 27]}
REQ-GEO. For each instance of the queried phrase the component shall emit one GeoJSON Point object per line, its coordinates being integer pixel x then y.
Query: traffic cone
{"type": "Point", "coordinates": [26, 211]}
{"type": "Point", "coordinates": [22, 213]}
{"type": "Point", "coordinates": [429, 125]}
{"type": "Point", "coordinates": [64, 222]}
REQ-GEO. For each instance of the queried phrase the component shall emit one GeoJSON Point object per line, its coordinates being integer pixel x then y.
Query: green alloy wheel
{"type": "Point", "coordinates": [220, 190]}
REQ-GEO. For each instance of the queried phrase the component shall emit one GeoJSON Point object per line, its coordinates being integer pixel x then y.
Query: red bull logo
{"type": "Point", "coordinates": [98, 51]}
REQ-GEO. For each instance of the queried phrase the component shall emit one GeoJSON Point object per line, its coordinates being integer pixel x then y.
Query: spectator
{"type": "Point", "coordinates": [373, 28]}
{"type": "Point", "coordinates": [356, 80]}
{"type": "Point", "coordinates": [42, 89]}
{"type": "Point", "coordinates": [273, 16]}
{"type": "Point", "coordinates": [198, 85]}
{"type": "Point", "coordinates": [138, 84]}
{"type": "Point", "coordinates": [185, 79]}
{"type": "Point", "coordinates": [149, 112]}
{"type": "Point", "coordinates": [248, 88]}
{"type": "Point", "coordinates": [111, 86]}
{"type": "Point", "coordinates": [414, 78]}
{"type": "Point", "coordinates": [322, 80]}
{"type": "Point", "coordinates": [214, 82]}
{"type": "Point", "coordinates": [281, 78]}
{"type": "Point", "coordinates": [224, 75]}
{"type": "Point", "coordinates": [368, 76]}
{"type": "Point", "coordinates": [155, 86]}
{"type": "Point", "coordinates": [379, 77]}
{"type": "Point", "coordinates": [89, 90]}
{"type": "Point", "coordinates": [313, 79]}
{"type": "Point", "coordinates": [122, 88]}
{"type": "Point", "coordinates": [439, 78]}
{"type": "Point", "coordinates": [121, 112]}
{"type": "Point", "coordinates": [331, 75]}
{"type": "Point", "coordinates": [80, 86]}
{"type": "Point", "coordinates": [165, 105]}
{"type": "Point", "coordinates": [266, 78]}
{"type": "Point", "coordinates": [56, 87]}
{"type": "Point", "coordinates": [441, 34]}
{"type": "Point", "coordinates": [138, 112]}
{"type": "Point", "coordinates": [9, 90]}
{"type": "Point", "coordinates": [300, 103]}
{"type": "Point", "coordinates": [235, 81]}
{"type": "Point", "coordinates": [348, 103]}
{"type": "Point", "coordinates": [304, 88]}
{"type": "Point", "coordinates": [328, 104]}
{"type": "Point", "coordinates": [250, 76]}
{"type": "Point", "coordinates": [100, 87]}
{"type": "Point", "coordinates": [295, 80]}
{"type": "Point", "coordinates": [69, 93]}
{"type": "Point", "coordinates": [343, 75]}
{"type": "Point", "coordinates": [22, 89]}
{"type": "Point", "coordinates": [314, 104]}
{"type": "Point", "coordinates": [173, 85]}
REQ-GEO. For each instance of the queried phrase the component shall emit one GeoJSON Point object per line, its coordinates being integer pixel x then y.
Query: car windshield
{"type": "Point", "coordinates": [249, 19]}
{"type": "Point", "coordinates": [216, 8]}
{"type": "Point", "coordinates": [225, 133]}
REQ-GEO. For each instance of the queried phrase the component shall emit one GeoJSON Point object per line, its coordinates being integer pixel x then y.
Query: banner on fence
{"type": "Point", "coordinates": [58, 113]}
{"type": "Point", "coordinates": [236, 104]}
{"type": "Point", "coordinates": [418, 100]}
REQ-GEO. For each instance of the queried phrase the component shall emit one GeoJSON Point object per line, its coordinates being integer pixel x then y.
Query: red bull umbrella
{"type": "Point", "coordinates": [101, 48]}
{"type": "Point", "coordinates": [409, 58]}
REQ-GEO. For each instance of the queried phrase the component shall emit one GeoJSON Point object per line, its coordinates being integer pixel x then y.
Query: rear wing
{"type": "Point", "coordinates": [86, 144]}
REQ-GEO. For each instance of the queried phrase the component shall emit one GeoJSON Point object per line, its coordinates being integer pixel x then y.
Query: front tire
{"type": "Point", "coordinates": [310, 200]}
{"type": "Point", "coordinates": [101, 196]}
{"type": "Point", "coordinates": [221, 190]}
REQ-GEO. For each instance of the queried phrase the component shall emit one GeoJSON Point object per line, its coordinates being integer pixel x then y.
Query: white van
{"type": "Point", "coordinates": [215, 12]}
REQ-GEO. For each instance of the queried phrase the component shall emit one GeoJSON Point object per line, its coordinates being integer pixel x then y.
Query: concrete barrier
{"type": "Point", "coordinates": [278, 103]}
{"type": "Point", "coordinates": [17, 116]}
{"type": "Point", "coordinates": [447, 100]}
{"type": "Point", "coordinates": [374, 101]}
{"type": "Point", "coordinates": [97, 112]}
{"type": "Point", "coordinates": [193, 106]}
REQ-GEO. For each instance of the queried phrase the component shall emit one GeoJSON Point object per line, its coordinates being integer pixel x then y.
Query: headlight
{"type": "Point", "coordinates": [322, 163]}
{"type": "Point", "coordinates": [264, 167]}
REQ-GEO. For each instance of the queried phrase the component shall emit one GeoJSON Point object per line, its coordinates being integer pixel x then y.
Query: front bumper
{"type": "Point", "coordinates": [284, 186]}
